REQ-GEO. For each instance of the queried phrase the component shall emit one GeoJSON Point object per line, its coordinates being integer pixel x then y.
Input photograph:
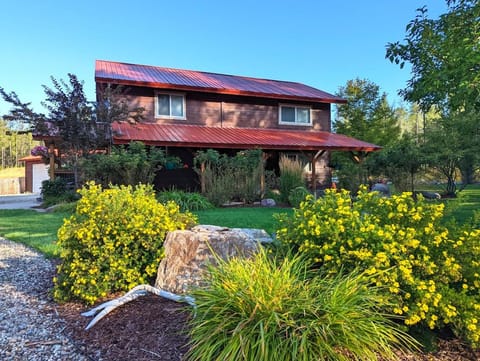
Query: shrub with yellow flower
{"type": "Point", "coordinates": [430, 271]}
{"type": "Point", "coordinates": [113, 241]}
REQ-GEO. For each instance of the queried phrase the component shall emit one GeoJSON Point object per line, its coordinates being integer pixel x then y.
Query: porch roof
{"type": "Point", "coordinates": [175, 135]}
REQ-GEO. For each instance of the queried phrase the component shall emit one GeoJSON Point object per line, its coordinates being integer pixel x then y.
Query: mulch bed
{"type": "Point", "coordinates": [153, 328]}
{"type": "Point", "coordinates": [148, 328]}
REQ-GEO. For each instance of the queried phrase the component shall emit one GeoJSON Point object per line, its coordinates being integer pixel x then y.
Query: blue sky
{"type": "Point", "coordinates": [317, 42]}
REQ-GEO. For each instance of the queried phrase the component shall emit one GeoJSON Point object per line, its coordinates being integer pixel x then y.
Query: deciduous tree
{"type": "Point", "coordinates": [77, 126]}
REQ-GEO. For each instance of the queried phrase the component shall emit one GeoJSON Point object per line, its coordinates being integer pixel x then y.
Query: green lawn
{"type": "Point", "coordinates": [463, 207]}
{"type": "Point", "coordinates": [39, 230]}
{"type": "Point", "coordinates": [242, 217]}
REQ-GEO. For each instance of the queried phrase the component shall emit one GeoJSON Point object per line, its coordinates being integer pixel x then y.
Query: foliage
{"type": "Point", "coordinates": [273, 309]}
{"type": "Point", "coordinates": [449, 144]}
{"type": "Point", "coordinates": [128, 165]}
{"type": "Point", "coordinates": [14, 145]}
{"type": "Point", "coordinates": [187, 201]}
{"type": "Point", "coordinates": [226, 178]}
{"type": "Point", "coordinates": [57, 191]}
{"type": "Point", "coordinates": [430, 271]}
{"type": "Point", "coordinates": [367, 114]}
{"type": "Point", "coordinates": [291, 176]}
{"type": "Point", "coordinates": [444, 55]}
{"type": "Point", "coordinates": [400, 162]}
{"type": "Point", "coordinates": [297, 195]}
{"type": "Point", "coordinates": [81, 126]}
{"type": "Point", "coordinates": [114, 241]}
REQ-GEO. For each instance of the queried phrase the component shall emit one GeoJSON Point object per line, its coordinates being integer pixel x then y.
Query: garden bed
{"type": "Point", "coordinates": [152, 328]}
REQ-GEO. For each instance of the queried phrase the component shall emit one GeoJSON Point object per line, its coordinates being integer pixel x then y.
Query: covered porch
{"type": "Point", "coordinates": [185, 140]}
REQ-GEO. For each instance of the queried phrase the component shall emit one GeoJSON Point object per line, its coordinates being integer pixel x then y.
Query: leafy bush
{"type": "Point", "coordinates": [291, 176]}
{"type": "Point", "coordinates": [128, 165]}
{"type": "Point", "coordinates": [271, 309]}
{"type": "Point", "coordinates": [186, 201]}
{"type": "Point", "coordinates": [431, 271]}
{"type": "Point", "coordinates": [113, 241]}
{"type": "Point", "coordinates": [57, 191]}
{"type": "Point", "coordinates": [297, 195]}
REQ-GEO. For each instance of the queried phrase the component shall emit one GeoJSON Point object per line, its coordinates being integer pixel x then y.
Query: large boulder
{"type": "Point", "coordinates": [189, 252]}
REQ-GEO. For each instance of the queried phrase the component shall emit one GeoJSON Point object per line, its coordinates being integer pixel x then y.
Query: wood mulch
{"type": "Point", "coordinates": [153, 328]}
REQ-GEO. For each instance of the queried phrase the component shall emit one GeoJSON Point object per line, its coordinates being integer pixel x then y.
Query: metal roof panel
{"type": "Point", "coordinates": [123, 73]}
{"type": "Point", "coordinates": [235, 138]}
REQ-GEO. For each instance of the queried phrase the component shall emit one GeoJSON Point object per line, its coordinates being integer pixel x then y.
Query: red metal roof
{"type": "Point", "coordinates": [235, 138]}
{"type": "Point", "coordinates": [158, 77]}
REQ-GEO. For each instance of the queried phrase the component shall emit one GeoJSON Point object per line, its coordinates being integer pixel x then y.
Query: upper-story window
{"type": "Point", "coordinates": [295, 115]}
{"type": "Point", "coordinates": [170, 105]}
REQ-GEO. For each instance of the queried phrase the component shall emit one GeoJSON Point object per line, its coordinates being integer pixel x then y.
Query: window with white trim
{"type": "Point", "coordinates": [170, 105]}
{"type": "Point", "coordinates": [295, 115]}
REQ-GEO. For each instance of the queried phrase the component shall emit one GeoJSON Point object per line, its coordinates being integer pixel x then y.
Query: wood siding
{"type": "Point", "coordinates": [229, 111]}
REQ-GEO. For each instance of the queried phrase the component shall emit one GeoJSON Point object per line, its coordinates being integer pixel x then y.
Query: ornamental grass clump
{"type": "Point", "coordinates": [431, 271]}
{"type": "Point", "coordinates": [291, 176]}
{"type": "Point", "coordinates": [271, 309]}
{"type": "Point", "coordinates": [113, 241]}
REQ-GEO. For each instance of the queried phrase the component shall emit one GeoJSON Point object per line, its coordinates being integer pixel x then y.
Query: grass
{"type": "Point", "coordinates": [463, 207]}
{"type": "Point", "coordinates": [273, 309]}
{"type": "Point", "coordinates": [37, 230]}
{"type": "Point", "coordinates": [260, 217]}
{"type": "Point", "coordinates": [12, 172]}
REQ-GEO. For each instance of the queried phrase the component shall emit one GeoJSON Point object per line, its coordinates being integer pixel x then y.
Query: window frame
{"type": "Point", "coordinates": [296, 107]}
{"type": "Point", "coordinates": [170, 116]}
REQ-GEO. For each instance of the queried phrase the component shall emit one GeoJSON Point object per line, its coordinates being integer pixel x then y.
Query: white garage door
{"type": "Point", "coordinates": [39, 174]}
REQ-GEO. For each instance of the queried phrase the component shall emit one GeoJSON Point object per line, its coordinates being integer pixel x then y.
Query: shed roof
{"type": "Point", "coordinates": [235, 138]}
{"type": "Point", "coordinates": [168, 78]}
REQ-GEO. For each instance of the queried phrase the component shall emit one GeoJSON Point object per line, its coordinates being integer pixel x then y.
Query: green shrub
{"type": "Point", "coordinates": [113, 241]}
{"type": "Point", "coordinates": [126, 164]}
{"type": "Point", "coordinates": [291, 176]}
{"type": "Point", "coordinates": [186, 201]}
{"type": "Point", "coordinates": [269, 309]}
{"type": "Point", "coordinates": [224, 178]}
{"type": "Point", "coordinates": [57, 191]}
{"type": "Point", "coordinates": [297, 195]}
{"type": "Point", "coordinates": [431, 271]}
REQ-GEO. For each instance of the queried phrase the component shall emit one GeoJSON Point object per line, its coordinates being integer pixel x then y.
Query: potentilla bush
{"type": "Point", "coordinates": [113, 241]}
{"type": "Point", "coordinates": [431, 271]}
{"type": "Point", "coordinates": [273, 309]}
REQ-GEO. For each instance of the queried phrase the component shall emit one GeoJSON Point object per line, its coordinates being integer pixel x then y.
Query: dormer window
{"type": "Point", "coordinates": [170, 105]}
{"type": "Point", "coordinates": [295, 115]}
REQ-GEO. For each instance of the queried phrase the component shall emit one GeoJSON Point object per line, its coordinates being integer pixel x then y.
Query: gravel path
{"type": "Point", "coordinates": [30, 328]}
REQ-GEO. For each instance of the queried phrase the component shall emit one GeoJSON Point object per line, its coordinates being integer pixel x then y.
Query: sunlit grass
{"type": "Point", "coordinates": [244, 217]}
{"type": "Point", "coordinates": [35, 229]}
{"type": "Point", "coordinates": [12, 172]}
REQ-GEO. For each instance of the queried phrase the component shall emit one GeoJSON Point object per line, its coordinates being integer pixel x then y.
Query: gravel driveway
{"type": "Point", "coordinates": [30, 328]}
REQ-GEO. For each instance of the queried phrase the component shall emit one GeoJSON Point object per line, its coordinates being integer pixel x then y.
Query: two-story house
{"type": "Point", "coordinates": [190, 110]}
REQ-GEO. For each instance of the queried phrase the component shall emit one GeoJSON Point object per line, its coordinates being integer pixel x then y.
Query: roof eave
{"type": "Point", "coordinates": [120, 141]}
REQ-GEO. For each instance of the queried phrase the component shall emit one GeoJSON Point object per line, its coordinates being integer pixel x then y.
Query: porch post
{"type": "Point", "coordinates": [51, 156]}
{"type": "Point", "coordinates": [314, 158]}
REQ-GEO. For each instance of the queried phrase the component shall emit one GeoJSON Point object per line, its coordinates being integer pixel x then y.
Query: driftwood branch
{"type": "Point", "coordinates": [141, 290]}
